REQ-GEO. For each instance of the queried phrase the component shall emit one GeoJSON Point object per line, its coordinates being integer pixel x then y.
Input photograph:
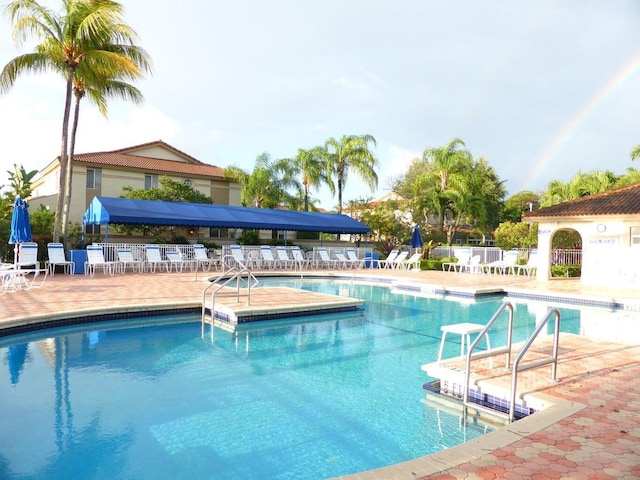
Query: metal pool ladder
{"type": "Point", "coordinates": [234, 272]}
{"type": "Point", "coordinates": [516, 368]}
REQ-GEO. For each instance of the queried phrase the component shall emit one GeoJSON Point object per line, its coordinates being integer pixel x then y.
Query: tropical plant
{"type": "Point", "coordinates": [510, 235]}
{"type": "Point", "coordinates": [444, 180]}
{"type": "Point", "coordinates": [517, 204]}
{"type": "Point", "coordinates": [309, 165]}
{"type": "Point", "coordinates": [580, 185]}
{"type": "Point", "coordinates": [89, 41]}
{"type": "Point", "coordinates": [266, 186]}
{"type": "Point", "coordinates": [350, 153]}
{"type": "Point", "coordinates": [20, 181]}
{"type": "Point", "coordinates": [635, 153]}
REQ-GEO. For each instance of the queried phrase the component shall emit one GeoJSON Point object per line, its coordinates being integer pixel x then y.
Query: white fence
{"type": "Point", "coordinates": [491, 254]}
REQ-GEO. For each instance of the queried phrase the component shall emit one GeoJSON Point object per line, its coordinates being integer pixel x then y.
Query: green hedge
{"type": "Point", "coordinates": [570, 271]}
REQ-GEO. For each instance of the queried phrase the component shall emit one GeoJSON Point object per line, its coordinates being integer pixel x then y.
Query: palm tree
{"type": "Point", "coordinates": [87, 36]}
{"type": "Point", "coordinates": [309, 165]}
{"type": "Point", "coordinates": [446, 178]}
{"type": "Point", "coordinates": [98, 89]}
{"type": "Point", "coordinates": [635, 153]}
{"type": "Point", "coordinates": [351, 152]}
{"type": "Point", "coordinates": [265, 186]}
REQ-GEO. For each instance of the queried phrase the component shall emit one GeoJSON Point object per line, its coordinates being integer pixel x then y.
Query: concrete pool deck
{"type": "Point", "coordinates": [592, 431]}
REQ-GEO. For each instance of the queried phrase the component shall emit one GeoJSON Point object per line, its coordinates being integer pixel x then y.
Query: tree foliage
{"type": "Point", "coordinates": [510, 235]}
{"type": "Point", "coordinates": [90, 45]}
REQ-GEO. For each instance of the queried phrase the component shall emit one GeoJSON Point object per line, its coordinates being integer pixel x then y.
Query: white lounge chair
{"type": "Point", "coordinates": [474, 265]}
{"type": "Point", "coordinates": [126, 259]}
{"type": "Point", "coordinates": [266, 257]}
{"type": "Point", "coordinates": [154, 259]}
{"type": "Point", "coordinates": [352, 256]}
{"type": "Point", "coordinates": [238, 256]}
{"type": "Point", "coordinates": [341, 260]}
{"type": "Point", "coordinates": [387, 262]}
{"type": "Point", "coordinates": [284, 261]}
{"type": "Point", "coordinates": [201, 258]}
{"type": "Point", "coordinates": [14, 279]}
{"type": "Point", "coordinates": [28, 255]}
{"type": "Point", "coordinates": [95, 259]}
{"type": "Point", "coordinates": [400, 258]}
{"type": "Point", "coordinates": [299, 258]}
{"type": "Point", "coordinates": [323, 259]}
{"type": "Point", "coordinates": [176, 260]}
{"type": "Point", "coordinates": [458, 266]}
{"type": "Point", "coordinates": [56, 257]}
{"type": "Point", "coordinates": [412, 263]}
{"type": "Point", "coordinates": [506, 265]}
{"type": "Point", "coordinates": [531, 267]}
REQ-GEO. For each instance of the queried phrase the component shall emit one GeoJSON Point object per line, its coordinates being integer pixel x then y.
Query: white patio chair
{"type": "Point", "coordinates": [298, 258]}
{"type": "Point", "coordinates": [352, 256]}
{"type": "Point", "coordinates": [95, 259]}
{"type": "Point", "coordinates": [266, 258]}
{"type": "Point", "coordinates": [531, 266]}
{"type": "Point", "coordinates": [474, 265]}
{"type": "Point", "coordinates": [412, 263]}
{"type": "Point", "coordinates": [55, 257]}
{"type": "Point", "coordinates": [154, 259]}
{"type": "Point", "coordinates": [458, 266]}
{"type": "Point", "coordinates": [506, 265]}
{"type": "Point", "coordinates": [28, 255]}
{"type": "Point", "coordinates": [388, 262]}
{"type": "Point", "coordinates": [126, 259]}
{"type": "Point", "coordinates": [341, 261]}
{"type": "Point", "coordinates": [396, 263]}
{"type": "Point", "coordinates": [238, 255]}
{"type": "Point", "coordinates": [283, 260]}
{"type": "Point", "coordinates": [324, 260]}
{"type": "Point", "coordinates": [177, 261]}
{"type": "Point", "coordinates": [201, 258]}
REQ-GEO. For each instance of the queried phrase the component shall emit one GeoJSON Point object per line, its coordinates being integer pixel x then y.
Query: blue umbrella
{"type": "Point", "coordinates": [17, 356]}
{"type": "Point", "coordinates": [20, 226]}
{"type": "Point", "coordinates": [416, 238]}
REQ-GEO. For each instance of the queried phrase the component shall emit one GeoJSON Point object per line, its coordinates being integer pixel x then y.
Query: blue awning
{"type": "Point", "coordinates": [105, 210]}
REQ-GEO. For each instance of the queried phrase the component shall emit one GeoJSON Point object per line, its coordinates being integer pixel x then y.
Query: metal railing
{"type": "Point", "coordinates": [233, 271]}
{"type": "Point", "coordinates": [516, 368]}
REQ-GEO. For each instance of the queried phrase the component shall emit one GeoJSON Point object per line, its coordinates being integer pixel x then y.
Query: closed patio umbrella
{"type": "Point", "coordinates": [416, 238]}
{"type": "Point", "coordinates": [20, 226]}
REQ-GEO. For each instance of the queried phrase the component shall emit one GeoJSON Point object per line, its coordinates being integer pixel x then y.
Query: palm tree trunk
{"type": "Point", "coordinates": [69, 172]}
{"type": "Point", "coordinates": [57, 226]}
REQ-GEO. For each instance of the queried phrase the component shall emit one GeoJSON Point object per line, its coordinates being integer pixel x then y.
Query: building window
{"type": "Point", "coordinates": [92, 229]}
{"type": "Point", "coordinates": [187, 182]}
{"type": "Point", "coordinates": [218, 232]}
{"type": "Point", "coordinates": [150, 181]}
{"type": "Point", "coordinates": [94, 179]}
{"type": "Point", "coordinates": [635, 236]}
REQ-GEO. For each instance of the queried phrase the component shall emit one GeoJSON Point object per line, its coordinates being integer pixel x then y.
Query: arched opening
{"type": "Point", "coordinates": [566, 253]}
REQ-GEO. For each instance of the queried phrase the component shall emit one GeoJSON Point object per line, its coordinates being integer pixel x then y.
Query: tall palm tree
{"type": "Point", "coordinates": [446, 177]}
{"type": "Point", "coordinates": [351, 152]}
{"type": "Point", "coordinates": [96, 88]}
{"type": "Point", "coordinates": [79, 38]}
{"type": "Point", "coordinates": [309, 165]}
{"type": "Point", "coordinates": [635, 153]}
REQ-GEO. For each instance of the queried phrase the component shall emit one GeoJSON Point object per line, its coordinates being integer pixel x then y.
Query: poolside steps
{"type": "Point", "coordinates": [450, 381]}
{"type": "Point", "coordinates": [277, 302]}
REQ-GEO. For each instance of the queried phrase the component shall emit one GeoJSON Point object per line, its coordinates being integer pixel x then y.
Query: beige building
{"type": "Point", "coordinates": [609, 225]}
{"type": "Point", "coordinates": [138, 167]}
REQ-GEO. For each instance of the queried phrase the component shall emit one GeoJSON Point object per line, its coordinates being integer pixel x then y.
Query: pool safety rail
{"type": "Point", "coordinates": [516, 367]}
{"type": "Point", "coordinates": [232, 271]}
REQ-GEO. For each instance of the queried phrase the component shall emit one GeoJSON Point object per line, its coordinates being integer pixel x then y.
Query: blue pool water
{"type": "Point", "coordinates": [310, 397]}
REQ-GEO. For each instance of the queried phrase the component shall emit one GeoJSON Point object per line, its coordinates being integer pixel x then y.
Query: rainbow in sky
{"type": "Point", "coordinates": [620, 77]}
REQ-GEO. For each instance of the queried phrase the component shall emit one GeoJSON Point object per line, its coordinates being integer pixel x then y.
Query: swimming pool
{"type": "Point", "coordinates": [303, 398]}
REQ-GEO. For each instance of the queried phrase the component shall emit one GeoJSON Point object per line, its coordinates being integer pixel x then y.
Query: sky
{"type": "Point", "coordinates": [541, 89]}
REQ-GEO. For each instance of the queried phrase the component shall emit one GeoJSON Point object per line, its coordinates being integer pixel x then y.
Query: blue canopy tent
{"type": "Point", "coordinates": [106, 210]}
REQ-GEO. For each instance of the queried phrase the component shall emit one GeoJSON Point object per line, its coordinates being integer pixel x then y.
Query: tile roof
{"type": "Point", "coordinates": [120, 158]}
{"type": "Point", "coordinates": [620, 201]}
